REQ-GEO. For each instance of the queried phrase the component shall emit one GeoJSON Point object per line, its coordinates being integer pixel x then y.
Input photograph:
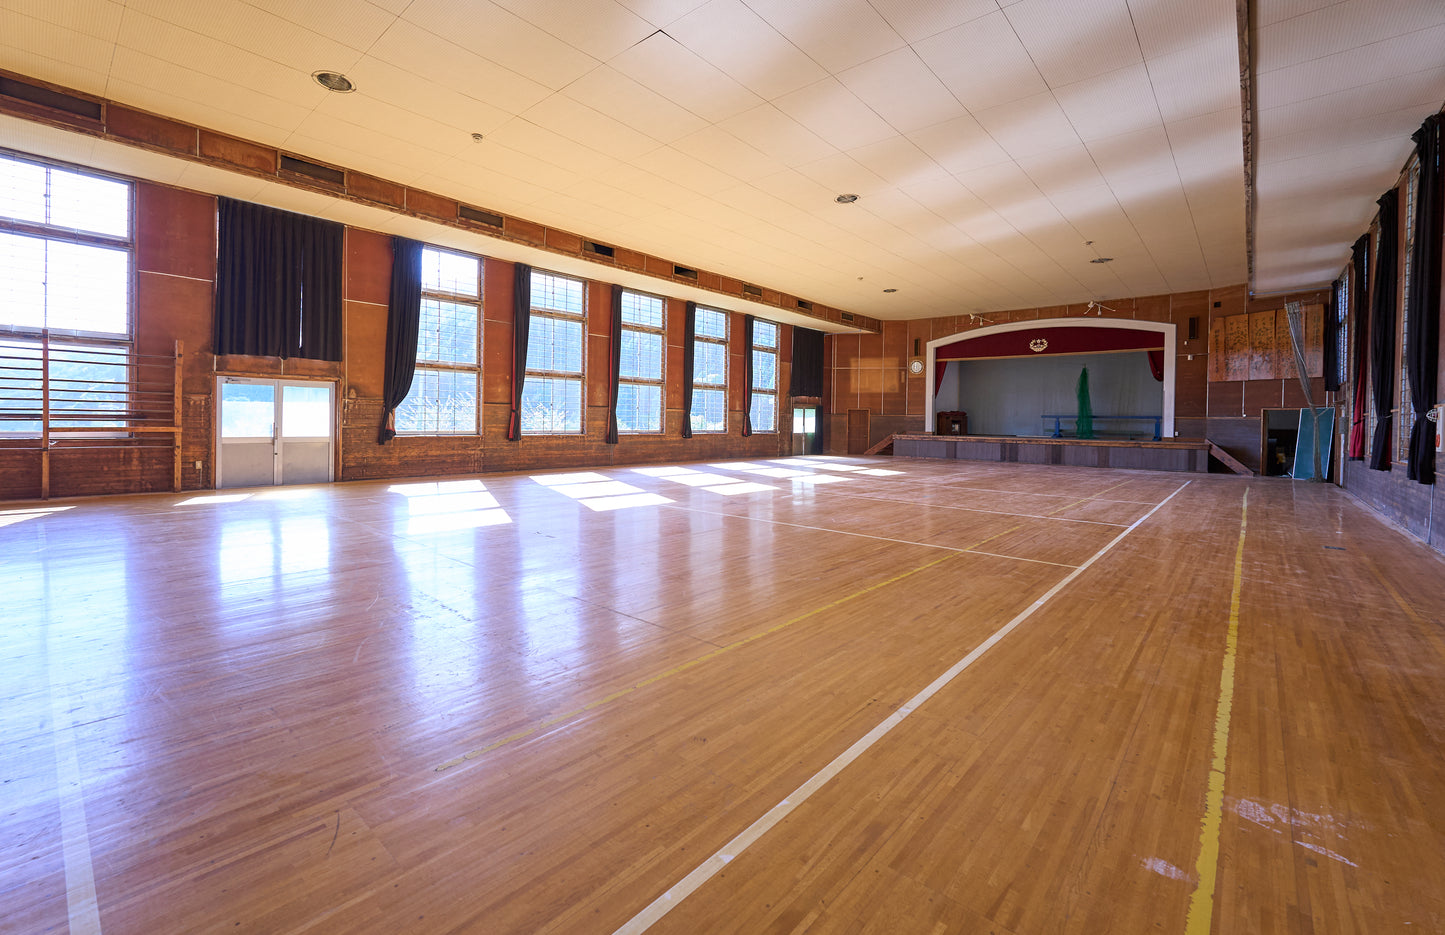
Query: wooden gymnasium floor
{"type": "Point", "coordinates": [538, 704]}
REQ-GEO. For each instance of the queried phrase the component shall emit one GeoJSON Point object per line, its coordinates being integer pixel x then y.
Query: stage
{"type": "Point", "coordinates": [1173, 454]}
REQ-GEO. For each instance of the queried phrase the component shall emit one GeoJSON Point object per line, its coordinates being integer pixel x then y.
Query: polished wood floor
{"type": "Point", "coordinates": [535, 704]}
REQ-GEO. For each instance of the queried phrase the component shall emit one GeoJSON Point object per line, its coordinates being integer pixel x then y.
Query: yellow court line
{"type": "Point", "coordinates": [1206, 868]}
{"type": "Point", "coordinates": [691, 663]}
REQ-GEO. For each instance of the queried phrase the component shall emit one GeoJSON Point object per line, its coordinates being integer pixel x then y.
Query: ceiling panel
{"type": "Point", "coordinates": [501, 37]}
{"type": "Point", "coordinates": [982, 62]}
{"type": "Point", "coordinates": [685, 78]}
{"type": "Point", "coordinates": [444, 64]}
{"type": "Point", "coordinates": [601, 28]}
{"type": "Point", "coordinates": [835, 115]}
{"type": "Point", "coordinates": [916, 20]}
{"type": "Point", "coordinates": [739, 42]}
{"type": "Point", "coordinates": [903, 91]}
{"type": "Point", "coordinates": [986, 140]}
{"type": "Point", "coordinates": [1340, 89]}
{"type": "Point", "coordinates": [1071, 40]}
{"type": "Point", "coordinates": [838, 35]}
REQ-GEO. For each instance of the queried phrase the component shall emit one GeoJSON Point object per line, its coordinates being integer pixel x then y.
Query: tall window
{"type": "Point", "coordinates": [1405, 421]}
{"type": "Point", "coordinates": [639, 391]}
{"type": "Point", "coordinates": [763, 408]}
{"type": "Point", "coordinates": [552, 393]}
{"type": "Point", "coordinates": [447, 384]}
{"type": "Point", "coordinates": [710, 372]}
{"type": "Point", "coordinates": [65, 276]}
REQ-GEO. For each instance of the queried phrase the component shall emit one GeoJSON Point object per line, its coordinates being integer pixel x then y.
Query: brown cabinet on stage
{"type": "Point", "coordinates": [954, 422]}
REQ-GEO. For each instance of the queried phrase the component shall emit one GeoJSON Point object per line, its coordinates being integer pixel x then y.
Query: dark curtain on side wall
{"type": "Point", "coordinates": [616, 374]}
{"type": "Point", "coordinates": [1332, 339]}
{"type": "Point", "coordinates": [747, 375]}
{"type": "Point", "coordinates": [278, 283]}
{"type": "Point", "coordinates": [521, 330]}
{"type": "Point", "coordinates": [403, 320]}
{"type": "Point", "coordinates": [689, 335]}
{"type": "Point", "coordinates": [1422, 340]}
{"type": "Point", "coordinates": [1360, 302]}
{"type": "Point", "coordinates": [1382, 330]}
{"type": "Point", "coordinates": [807, 363]}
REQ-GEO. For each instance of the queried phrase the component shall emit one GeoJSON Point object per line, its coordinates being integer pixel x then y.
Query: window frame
{"type": "Point", "coordinates": [580, 375]}
{"type": "Point", "coordinates": [722, 388]}
{"type": "Point", "coordinates": [661, 380]}
{"type": "Point", "coordinates": [1405, 410]}
{"type": "Point", "coordinates": [755, 391]}
{"type": "Point", "coordinates": [450, 366]}
{"type": "Point", "coordinates": [47, 340]}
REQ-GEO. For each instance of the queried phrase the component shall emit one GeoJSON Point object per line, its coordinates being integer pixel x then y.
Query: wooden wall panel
{"type": "Point", "coordinates": [1284, 364]}
{"type": "Point", "coordinates": [1236, 348]}
{"type": "Point", "coordinates": [1261, 345]}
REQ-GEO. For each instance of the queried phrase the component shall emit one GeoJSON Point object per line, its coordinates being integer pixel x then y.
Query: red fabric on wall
{"type": "Point", "coordinates": [940, 367]}
{"type": "Point", "coordinates": [1156, 365]}
{"type": "Point", "coordinates": [1055, 340]}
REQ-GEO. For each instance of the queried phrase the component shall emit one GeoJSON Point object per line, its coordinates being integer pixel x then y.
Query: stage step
{"type": "Point", "coordinates": [1228, 460]}
{"type": "Point", "coordinates": [885, 447]}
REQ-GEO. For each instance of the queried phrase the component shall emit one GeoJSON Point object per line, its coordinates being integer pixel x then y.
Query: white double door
{"type": "Point", "coordinates": [274, 432]}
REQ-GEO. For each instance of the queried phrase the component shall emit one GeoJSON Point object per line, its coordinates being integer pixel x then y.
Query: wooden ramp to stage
{"type": "Point", "coordinates": [1173, 454]}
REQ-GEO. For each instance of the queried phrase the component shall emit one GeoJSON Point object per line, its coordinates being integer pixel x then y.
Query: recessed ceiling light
{"type": "Point", "coordinates": [846, 199]}
{"type": "Point", "coordinates": [1102, 259]}
{"type": "Point", "coordinates": [477, 137]}
{"type": "Point", "coordinates": [890, 290]}
{"type": "Point", "coordinates": [334, 81]}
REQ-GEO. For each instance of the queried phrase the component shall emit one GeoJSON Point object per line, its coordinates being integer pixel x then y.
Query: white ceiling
{"type": "Point", "coordinates": [1341, 86]}
{"type": "Point", "coordinates": [987, 140]}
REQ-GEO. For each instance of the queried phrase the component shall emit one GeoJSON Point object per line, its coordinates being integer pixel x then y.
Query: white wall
{"type": "Point", "coordinates": [1007, 397]}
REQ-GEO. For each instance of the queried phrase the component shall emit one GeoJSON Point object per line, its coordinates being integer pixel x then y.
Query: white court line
{"type": "Point", "coordinates": [861, 535]}
{"type": "Point", "coordinates": [74, 835]}
{"type": "Point", "coordinates": [710, 867]}
{"type": "Point", "coordinates": [974, 509]}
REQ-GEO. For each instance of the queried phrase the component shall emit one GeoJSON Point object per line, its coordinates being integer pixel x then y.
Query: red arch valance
{"type": "Point", "coordinates": [1055, 340]}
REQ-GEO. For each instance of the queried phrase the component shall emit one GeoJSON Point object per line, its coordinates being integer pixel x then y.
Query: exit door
{"type": "Point", "coordinates": [805, 431]}
{"type": "Point", "coordinates": [274, 432]}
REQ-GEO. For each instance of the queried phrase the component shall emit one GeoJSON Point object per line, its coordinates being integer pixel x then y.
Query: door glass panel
{"type": "Point", "coordinates": [306, 411]}
{"type": "Point", "coordinates": [810, 421]}
{"type": "Point", "coordinates": [248, 410]}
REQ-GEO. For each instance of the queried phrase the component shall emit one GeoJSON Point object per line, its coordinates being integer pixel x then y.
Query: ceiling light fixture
{"type": "Point", "coordinates": [890, 290]}
{"type": "Point", "coordinates": [846, 199]}
{"type": "Point", "coordinates": [477, 137]}
{"type": "Point", "coordinates": [334, 81]}
{"type": "Point", "coordinates": [1102, 259]}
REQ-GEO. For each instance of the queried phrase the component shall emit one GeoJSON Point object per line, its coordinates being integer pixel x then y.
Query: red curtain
{"type": "Point", "coordinates": [1156, 365]}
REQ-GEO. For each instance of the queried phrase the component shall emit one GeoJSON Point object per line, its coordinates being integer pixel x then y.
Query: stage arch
{"type": "Point", "coordinates": [1003, 336]}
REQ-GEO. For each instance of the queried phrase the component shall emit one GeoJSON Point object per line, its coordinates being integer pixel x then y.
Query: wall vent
{"type": "Point", "coordinates": [55, 100]}
{"type": "Point", "coordinates": [750, 289]}
{"type": "Point", "coordinates": [805, 305]}
{"type": "Point", "coordinates": [684, 273]}
{"type": "Point", "coordinates": [468, 213]}
{"type": "Point", "coordinates": [597, 248]}
{"type": "Point", "coordinates": [847, 316]}
{"type": "Point", "coordinates": [312, 170]}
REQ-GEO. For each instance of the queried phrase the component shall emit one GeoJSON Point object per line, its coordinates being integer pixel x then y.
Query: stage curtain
{"type": "Point", "coordinates": [807, 363]}
{"type": "Point", "coordinates": [747, 375]}
{"type": "Point", "coordinates": [403, 321]}
{"type": "Point", "coordinates": [940, 367]}
{"type": "Point", "coordinates": [1360, 302]}
{"type": "Point", "coordinates": [1382, 331]}
{"type": "Point", "coordinates": [521, 329]}
{"type": "Point", "coordinates": [1422, 340]}
{"type": "Point", "coordinates": [278, 283]}
{"type": "Point", "coordinates": [615, 376]}
{"type": "Point", "coordinates": [1156, 365]}
{"type": "Point", "coordinates": [689, 352]}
